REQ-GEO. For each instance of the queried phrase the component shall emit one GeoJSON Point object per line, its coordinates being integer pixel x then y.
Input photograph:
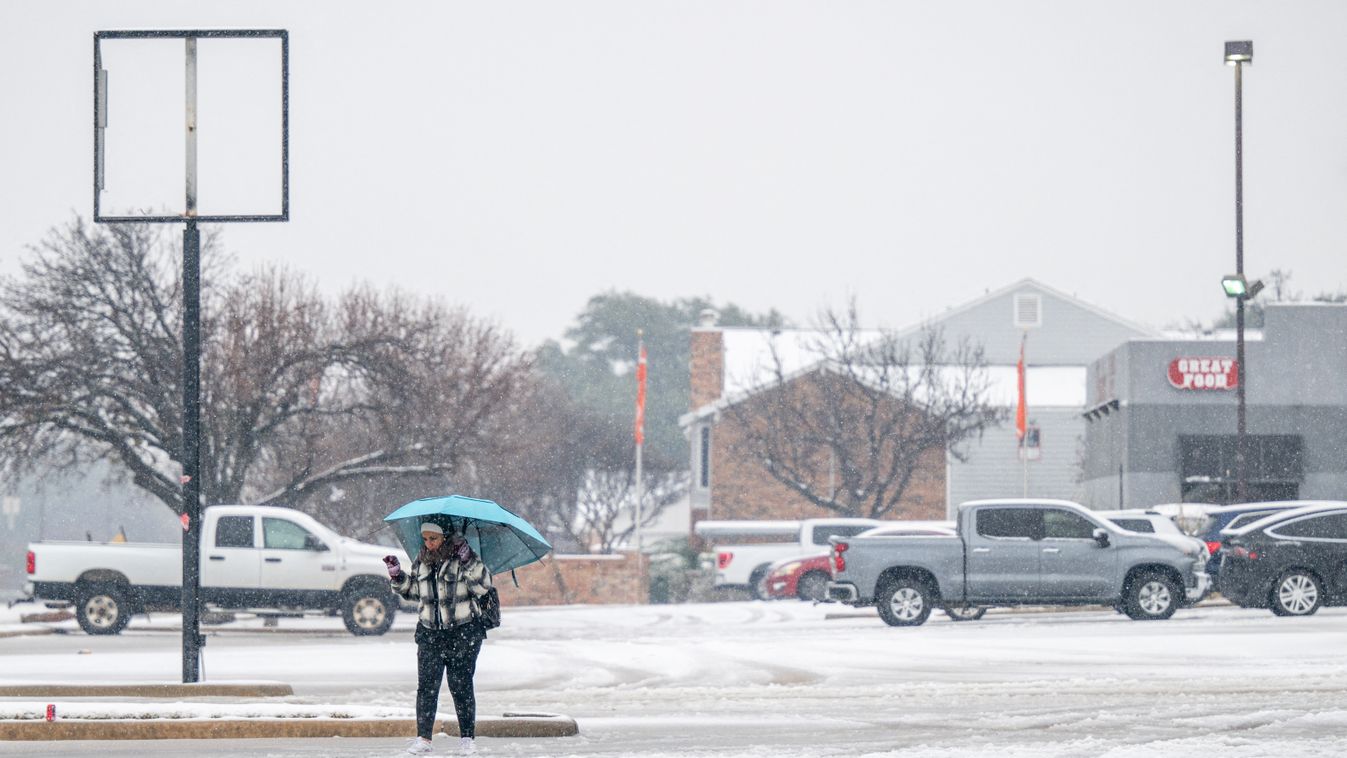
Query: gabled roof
{"type": "Point", "coordinates": [1029, 281]}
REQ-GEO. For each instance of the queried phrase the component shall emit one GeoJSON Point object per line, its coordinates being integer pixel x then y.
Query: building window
{"type": "Point", "coordinates": [704, 458]}
{"type": "Point", "coordinates": [1273, 468]}
{"type": "Point", "coordinates": [1028, 311]}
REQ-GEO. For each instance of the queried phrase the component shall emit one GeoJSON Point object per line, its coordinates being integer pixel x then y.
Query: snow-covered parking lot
{"type": "Point", "coordinates": [787, 678]}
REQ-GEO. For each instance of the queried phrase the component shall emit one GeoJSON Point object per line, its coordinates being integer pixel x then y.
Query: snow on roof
{"type": "Point", "coordinates": [751, 357]}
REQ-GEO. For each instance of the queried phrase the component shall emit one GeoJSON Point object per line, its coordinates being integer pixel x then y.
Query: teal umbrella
{"type": "Point", "coordinates": [501, 539]}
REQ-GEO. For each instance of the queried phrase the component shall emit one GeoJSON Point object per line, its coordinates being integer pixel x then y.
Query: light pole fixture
{"type": "Point", "coordinates": [1236, 285]}
{"type": "Point", "coordinates": [1237, 54]}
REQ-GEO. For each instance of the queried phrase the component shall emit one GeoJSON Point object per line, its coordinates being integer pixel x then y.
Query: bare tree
{"type": "Point", "coordinates": [605, 509]}
{"type": "Point", "coordinates": [850, 433]}
{"type": "Point", "coordinates": [297, 394]}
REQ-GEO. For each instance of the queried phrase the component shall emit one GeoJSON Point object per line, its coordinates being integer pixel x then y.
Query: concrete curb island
{"type": "Point", "coordinates": [508, 725]}
{"type": "Point", "coordinates": [150, 689]}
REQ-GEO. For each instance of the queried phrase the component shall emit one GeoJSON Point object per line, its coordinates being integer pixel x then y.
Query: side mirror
{"type": "Point", "coordinates": [1101, 537]}
{"type": "Point", "coordinates": [313, 543]}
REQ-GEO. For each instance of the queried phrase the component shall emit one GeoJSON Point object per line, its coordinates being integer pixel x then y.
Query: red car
{"type": "Point", "coordinates": [806, 576]}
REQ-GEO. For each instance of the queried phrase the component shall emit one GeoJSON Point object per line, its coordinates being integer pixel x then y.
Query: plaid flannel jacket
{"type": "Point", "coordinates": [449, 598]}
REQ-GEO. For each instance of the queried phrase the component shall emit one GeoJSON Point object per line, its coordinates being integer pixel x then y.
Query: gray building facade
{"type": "Point", "coordinates": [1161, 414]}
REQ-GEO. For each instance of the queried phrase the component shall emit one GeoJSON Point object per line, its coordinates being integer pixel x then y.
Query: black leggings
{"type": "Point", "coordinates": [453, 655]}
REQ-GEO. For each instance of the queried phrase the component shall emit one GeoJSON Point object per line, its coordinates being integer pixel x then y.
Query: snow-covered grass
{"type": "Point", "coordinates": [787, 678]}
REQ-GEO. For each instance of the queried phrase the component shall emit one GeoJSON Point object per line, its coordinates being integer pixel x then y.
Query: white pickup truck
{"type": "Point", "coordinates": [744, 565]}
{"type": "Point", "coordinates": [252, 556]}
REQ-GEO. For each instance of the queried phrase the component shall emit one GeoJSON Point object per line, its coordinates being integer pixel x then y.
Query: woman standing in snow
{"type": "Point", "coordinates": [448, 580]}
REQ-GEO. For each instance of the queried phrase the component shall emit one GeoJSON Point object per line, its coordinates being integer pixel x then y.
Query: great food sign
{"type": "Point", "coordinates": [1204, 373]}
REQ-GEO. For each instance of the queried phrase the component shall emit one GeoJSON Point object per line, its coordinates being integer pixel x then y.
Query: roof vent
{"type": "Point", "coordinates": [1028, 310]}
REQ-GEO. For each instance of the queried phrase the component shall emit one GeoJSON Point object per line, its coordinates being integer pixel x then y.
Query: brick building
{"type": "Point", "coordinates": [1062, 335]}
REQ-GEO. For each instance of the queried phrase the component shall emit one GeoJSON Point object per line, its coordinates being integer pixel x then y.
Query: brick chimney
{"type": "Point", "coordinates": [708, 360]}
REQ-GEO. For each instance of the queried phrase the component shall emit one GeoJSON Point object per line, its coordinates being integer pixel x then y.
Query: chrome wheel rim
{"type": "Point", "coordinates": [101, 611]}
{"type": "Point", "coordinates": [964, 612]}
{"type": "Point", "coordinates": [1297, 594]}
{"type": "Point", "coordinates": [1154, 597]}
{"type": "Point", "coordinates": [906, 603]}
{"type": "Point", "coordinates": [368, 612]}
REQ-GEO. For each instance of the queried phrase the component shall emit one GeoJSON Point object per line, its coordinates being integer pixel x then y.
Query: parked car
{"type": "Point", "coordinates": [745, 565]}
{"type": "Point", "coordinates": [1292, 561]}
{"type": "Point", "coordinates": [1223, 517]}
{"type": "Point", "coordinates": [806, 576]}
{"type": "Point", "coordinates": [252, 556]}
{"type": "Point", "coordinates": [1018, 552]}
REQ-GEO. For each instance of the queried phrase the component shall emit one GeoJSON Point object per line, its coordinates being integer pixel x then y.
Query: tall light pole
{"type": "Point", "coordinates": [1237, 54]}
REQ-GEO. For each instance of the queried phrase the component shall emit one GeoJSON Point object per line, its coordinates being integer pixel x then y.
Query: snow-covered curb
{"type": "Point", "coordinates": [102, 711]}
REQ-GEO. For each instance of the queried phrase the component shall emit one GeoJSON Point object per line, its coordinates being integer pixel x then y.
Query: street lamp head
{"type": "Point", "coordinates": [1236, 285]}
{"type": "Point", "coordinates": [1239, 52]}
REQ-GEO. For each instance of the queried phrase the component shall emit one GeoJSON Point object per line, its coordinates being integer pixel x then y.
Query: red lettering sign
{"type": "Point", "coordinates": [1204, 373]}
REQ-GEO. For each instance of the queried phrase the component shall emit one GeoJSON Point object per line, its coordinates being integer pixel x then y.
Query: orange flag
{"type": "Point", "coordinates": [640, 397]}
{"type": "Point", "coordinates": [1022, 408]}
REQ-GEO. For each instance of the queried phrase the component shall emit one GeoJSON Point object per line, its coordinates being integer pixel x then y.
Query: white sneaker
{"type": "Point", "coordinates": [420, 746]}
{"type": "Point", "coordinates": [466, 746]}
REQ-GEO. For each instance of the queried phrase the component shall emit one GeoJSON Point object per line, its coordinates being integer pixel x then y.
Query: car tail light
{"type": "Point", "coordinates": [839, 561]}
{"type": "Point", "coordinates": [723, 559]}
{"type": "Point", "coordinates": [32, 562]}
{"type": "Point", "coordinates": [1213, 546]}
{"type": "Point", "coordinates": [1239, 551]}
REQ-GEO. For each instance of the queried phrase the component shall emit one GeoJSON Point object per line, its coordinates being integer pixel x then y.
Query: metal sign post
{"type": "Point", "coordinates": [190, 458]}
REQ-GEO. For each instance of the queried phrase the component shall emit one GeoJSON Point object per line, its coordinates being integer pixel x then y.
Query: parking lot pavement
{"type": "Point", "coordinates": [753, 678]}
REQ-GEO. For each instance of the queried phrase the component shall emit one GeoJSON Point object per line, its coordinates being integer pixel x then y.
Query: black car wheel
{"type": "Point", "coordinates": [965, 612]}
{"type": "Point", "coordinates": [813, 586]}
{"type": "Point", "coordinates": [1151, 597]}
{"type": "Point", "coordinates": [1297, 593]}
{"type": "Point", "coordinates": [368, 612]}
{"type": "Point", "coordinates": [904, 602]}
{"type": "Point", "coordinates": [103, 608]}
{"type": "Point", "coordinates": [757, 583]}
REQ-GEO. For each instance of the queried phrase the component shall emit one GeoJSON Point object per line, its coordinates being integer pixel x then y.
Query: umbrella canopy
{"type": "Point", "coordinates": [501, 539]}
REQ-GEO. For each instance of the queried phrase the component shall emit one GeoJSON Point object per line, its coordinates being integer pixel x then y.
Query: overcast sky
{"type": "Point", "coordinates": [521, 157]}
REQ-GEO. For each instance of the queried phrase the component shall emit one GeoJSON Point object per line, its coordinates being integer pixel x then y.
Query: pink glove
{"type": "Point", "coordinates": [394, 570]}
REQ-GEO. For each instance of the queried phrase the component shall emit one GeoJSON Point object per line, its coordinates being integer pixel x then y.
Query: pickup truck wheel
{"type": "Point", "coordinates": [368, 612]}
{"type": "Point", "coordinates": [1297, 593]}
{"type": "Point", "coordinates": [1151, 596]}
{"type": "Point", "coordinates": [965, 612]}
{"type": "Point", "coordinates": [103, 609]}
{"type": "Point", "coordinates": [812, 587]}
{"type": "Point", "coordinates": [904, 602]}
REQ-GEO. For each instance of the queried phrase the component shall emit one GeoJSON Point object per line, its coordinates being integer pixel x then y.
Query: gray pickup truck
{"type": "Point", "coordinates": [1017, 552]}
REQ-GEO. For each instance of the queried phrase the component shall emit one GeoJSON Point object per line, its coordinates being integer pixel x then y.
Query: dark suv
{"type": "Point", "coordinates": [1292, 562]}
{"type": "Point", "coordinates": [1227, 516]}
